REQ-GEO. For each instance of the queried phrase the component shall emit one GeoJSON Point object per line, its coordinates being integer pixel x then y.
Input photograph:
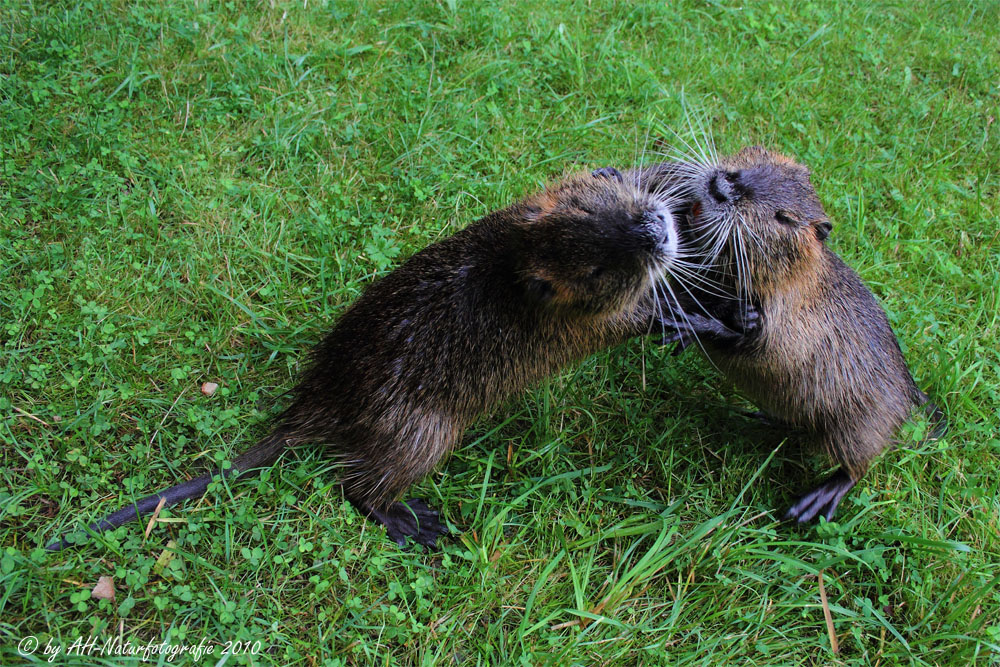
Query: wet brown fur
{"type": "Point", "coordinates": [824, 358]}
{"type": "Point", "coordinates": [457, 329]}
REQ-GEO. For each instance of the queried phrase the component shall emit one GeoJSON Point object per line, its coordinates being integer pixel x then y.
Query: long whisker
{"type": "Point", "coordinates": [677, 310]}
{"type": "Point", "coordinates": [711, 236]}
{"type": "Point", "coordinates": [692, 153]}
{"type": "Point", "coordinates": [737, 256]}
{"type": "Point", "coordinates": [709, 145]}
{"type": "Point", "coordinates": [691, 157]}
{"type": "Point", "coordinates": [744, 262]}
{"type": "Point", "coordinates": [658, 310]}
{"type": "Point", "coordinates": [642, 159]}
{"type": "Point", "coordinates": [695, 272]}
{"type": "Point", "coordinates": [668, 191]}
{"type": "Point", "coordinates": [703, 283]}
{"type": "Point", "coordinates": [749, 267]}
{"type": "Point", "coordinates": [755, 238]}
{"type": "Point", "coordinates": [688, 160]}
{"type": "Point", "coordinates": [694, 137]}
{"type": "Point", "coordinates": [694, 117]}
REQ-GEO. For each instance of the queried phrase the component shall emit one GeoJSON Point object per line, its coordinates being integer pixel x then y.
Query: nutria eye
{"type": "Point", "coordinates": [784, 219]}
{"type": "Point", "coordinates": [595, 272]}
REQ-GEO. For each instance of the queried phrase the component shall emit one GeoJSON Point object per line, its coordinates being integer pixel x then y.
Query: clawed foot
{"type": "Point", "coordinates": [746, 319]}
{"type": "Point", "coordinates": [412, 518]}
{"type": "Point", "coordinates": [767, 420]}
{"type": "Point", "coordinates": [822, 500]}
{"type": "Point", "coordinates": [758, 415]}
{"type": "Point", "coordinates": [693, 325]}
{"type": "Point", "coordinates": [608, 172]}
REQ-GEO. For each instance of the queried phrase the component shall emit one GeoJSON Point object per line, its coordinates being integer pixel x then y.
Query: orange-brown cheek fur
{"type": "Point", "coordinates": [799, 278]}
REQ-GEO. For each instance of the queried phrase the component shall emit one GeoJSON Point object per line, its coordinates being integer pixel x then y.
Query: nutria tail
{"type": "Point", "coordinates": [261, 454]}
{"type": "Point", "coordinates": [937, 417]}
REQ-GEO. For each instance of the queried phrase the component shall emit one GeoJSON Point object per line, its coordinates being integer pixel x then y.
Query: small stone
{"type": "Point", "coordinates": [209, 388]}
{"type": "Point", "coordinates": [104, 590]}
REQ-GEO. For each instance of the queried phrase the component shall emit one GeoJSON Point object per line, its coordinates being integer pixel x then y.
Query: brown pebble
{"type": "Point", "coordinates": [104, 590]}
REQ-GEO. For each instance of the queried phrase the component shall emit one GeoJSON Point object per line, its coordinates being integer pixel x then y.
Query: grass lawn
{"type": "Point", "coordinates": [194, 191]}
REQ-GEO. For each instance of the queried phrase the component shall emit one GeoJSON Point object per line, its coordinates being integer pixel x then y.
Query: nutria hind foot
{"type": "Point", "coordinates": [413, 518]}
{"type": "Point", "coordinates": [821, 500]}
{"type": "Point", "coordinates": [767, 419]}
{"type": "Point", "coordinates": [762, 417]}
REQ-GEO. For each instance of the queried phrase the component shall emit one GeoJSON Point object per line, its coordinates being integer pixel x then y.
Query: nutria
{"type": "Point", "coordinates": [823, 358]}
{"type": "Point", "coordinates": [463, 325]}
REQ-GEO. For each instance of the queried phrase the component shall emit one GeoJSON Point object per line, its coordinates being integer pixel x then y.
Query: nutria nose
{"type": "Point", "coordinates": [726, 188]}
{"type": "Point", "coordinates": [716, 191]}
{"type": "Point", "coordinates": [663, 226]}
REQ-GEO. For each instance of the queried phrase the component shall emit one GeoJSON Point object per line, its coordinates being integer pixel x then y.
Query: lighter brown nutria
{"type": "Point", "coordinates": [461, 326]}
{"type": "Point", "coordinates": [823, 357]}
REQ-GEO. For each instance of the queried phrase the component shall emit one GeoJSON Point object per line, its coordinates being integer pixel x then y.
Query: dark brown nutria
{"type": "Point", "coordinates": [823, 357]}
{"type": "Point", "coordinates": [461, 326]}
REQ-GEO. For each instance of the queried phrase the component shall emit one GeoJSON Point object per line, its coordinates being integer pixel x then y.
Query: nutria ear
{"type": "Point", "coordinates": [608, 172]}
{"type": "Point", "coordinates": [822, 229]}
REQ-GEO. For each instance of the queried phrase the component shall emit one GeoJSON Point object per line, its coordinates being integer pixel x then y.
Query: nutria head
{"type": "Point", "coordinates": [757, 213]}
{"type": "Point", "coordinates": [593, 245]}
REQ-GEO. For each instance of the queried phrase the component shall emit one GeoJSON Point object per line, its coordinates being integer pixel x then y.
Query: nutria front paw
{"type": "Point", "coordinates": [608, 172]}
{"type": "Point", "coordinates": [689, 326]}
{"type": "Point", "coordinates": [747, 320]}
